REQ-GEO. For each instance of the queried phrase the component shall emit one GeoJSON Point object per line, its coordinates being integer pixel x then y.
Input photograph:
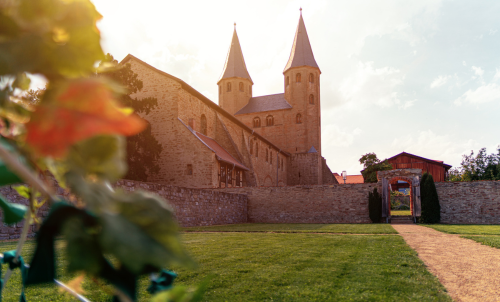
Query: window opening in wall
{"type": "Point", "coordinates": [298, 118]}
{"type": "Point", "coordinates": [256, 149]}
{"type": "Point", "coordinates": [251, 147]}
{"type": "Point", "coordinates": [278, 162]}
{"type": "Point", "coordinates": [189, 170]}
{"type": "Point", "coordinates": [311, 99]}
{"type": "Point", "coordinates": [241, 86]}
{"type": "Point", "coordinates": [239, 178]}
{"type": "Point", "coordinates": [229, 176]}
{"type": "Point", "coordinates": [271, 157]}
{"type": "Point", "coordinates": [256, 122]}
{"type": "Point", "coordinates": [269, 120]}
{"type": "Point", "coordinates": [267, 156]}
{"type": "Point", "coordinates": [228, 87]}
{"type": "Point", "coordinates": [311, 78]}
{"type": "Point", "coordinates": [282, 164]}
{"type": "Point", "coordinates": [203, 124]}
{"type": "Point", "coordinates": [287, 81]}
{"type": "Point", "coordinates": [298, 78]}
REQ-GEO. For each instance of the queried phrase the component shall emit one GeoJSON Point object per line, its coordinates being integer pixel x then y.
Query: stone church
{"type": "Point", "coordinates": [246, 140]}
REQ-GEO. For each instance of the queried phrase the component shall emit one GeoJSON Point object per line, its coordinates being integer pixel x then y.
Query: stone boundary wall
{"type": "Point", "coordinates": [476, 202]}
{"type": "Point", "coordinates": [308, 204]}
{"type": "Point", "coordinates": [192, 207]}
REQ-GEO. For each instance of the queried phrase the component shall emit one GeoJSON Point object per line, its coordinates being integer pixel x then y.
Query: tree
{"type": "Point", "coordinates": [372, 164]}
{"type": "Point", "coordinates": [431, 210]}
{"type": "Point", "coordinates": [143, 150]}
{"type": "Point", "coordinates": [375, 206]}
{"type": "Point", "coordinates": [482, 166]}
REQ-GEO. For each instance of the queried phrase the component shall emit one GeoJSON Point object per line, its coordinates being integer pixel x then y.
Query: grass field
{"type": "Point", "coordinates": [299, 228]}
{"type": "Point", "coordinates": [284, 267]}
{"type": "Point", "coordinates": [493, 241]}
{"type": "Point", "coordinates": [400, 212]}
{"type": "Point", "coordinates": [464, 229]}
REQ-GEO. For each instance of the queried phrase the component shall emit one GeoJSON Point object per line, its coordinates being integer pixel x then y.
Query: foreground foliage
{"type": "Point", "coordinates": [75, 129]}
{"type": "Point", "coordinates": [295, 267]}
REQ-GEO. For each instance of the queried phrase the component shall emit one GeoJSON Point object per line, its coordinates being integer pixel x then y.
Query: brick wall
{"type": "Point", "coordinates": [475, 202]}
{"type": "Point", "coordinates": [307, 204]}
{"type": "Point", "coordinates": [305, 169]}
{"type": "Point", "coordinates": [192, 207]}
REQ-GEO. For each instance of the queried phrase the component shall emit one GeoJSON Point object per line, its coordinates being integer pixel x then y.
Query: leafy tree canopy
{"type": "Point", "coordinates": [480, 166]}
{"type": "Point", "coordinates": [372, 164]}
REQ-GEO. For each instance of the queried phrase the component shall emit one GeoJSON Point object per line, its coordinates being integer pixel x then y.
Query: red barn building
{"type": "Point", "coordinates": [437, 168]}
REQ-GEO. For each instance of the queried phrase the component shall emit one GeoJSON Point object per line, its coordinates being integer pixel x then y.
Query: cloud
{"type": "Point", "coordinates": [439, 81]}
{"type": "Point", "coordinates": [406, 104]}
{"type": "Point", "coordinates": [478, 71]}
{"type": "Point", "coordinates": [369, 85]}
{"type": "Point", "coordinates": [463, 63]}
{"type": "Point", "coordinates": [483, 94]}
{"type": "Point", "coordinates": [334, 136]}
{"type": "Point", "coordinates": [492, 32]}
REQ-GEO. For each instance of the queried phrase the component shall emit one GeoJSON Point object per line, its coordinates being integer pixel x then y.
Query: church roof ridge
{"type": "Point", "coordinates": [203, 98]}
{"type": "Point", "coordinates": [235, 63]}
{"type": "Point", "coordinates": [301, 54]}
{"type": "Point", "coordinates": [265, 103]}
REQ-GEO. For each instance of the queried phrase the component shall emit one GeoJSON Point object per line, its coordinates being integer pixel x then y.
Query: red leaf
{"type": "Point", "coordinates": [86, 108]}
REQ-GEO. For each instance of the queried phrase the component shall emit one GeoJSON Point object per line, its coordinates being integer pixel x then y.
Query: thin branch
{"type": "Point", "coordinates": [71, 291]}
{"type": "Point", "coordinates": [29, 177]}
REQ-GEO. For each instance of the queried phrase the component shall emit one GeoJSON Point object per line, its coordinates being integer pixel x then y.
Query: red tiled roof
{"type": "Point", "coordinates": [351, 179]}
{"type": "Point", "coordinates": [220, 152]}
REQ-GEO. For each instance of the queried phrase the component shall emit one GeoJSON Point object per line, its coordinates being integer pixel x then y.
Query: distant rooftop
{"type": "Point", "coordinates": [265, 103]}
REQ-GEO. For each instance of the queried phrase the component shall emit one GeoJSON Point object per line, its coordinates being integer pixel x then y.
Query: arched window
{"type": "Point", "coordinates": [241, 86]}
{"type": "Point", "coordinates": [250, 89]}
{"type": "Point", "coordinates": [228, 87]}
{"type": "Point", "coordinates": [311, 99]}
{"type": "Point", "coordinates": [287, 81]}
{"type": "Point", "coordinates": [282, 164]}
{"type": "Point", "coordinates": [203, 124]}
{"type": "Point", "coordinates": [256, 149]}
{"type": "Point", "coordinates": [267, 156]}
{"type": "Point", "coordinates": [298, 118]}
{"type": "Point", "coordinates": [220, 89]}
{"type": "Point", "coordinates": [256, 122]}
{"type": "Point", "coordinates": [311, 78]}
{"type": "Point", "coordinates": [298, 78]}
{"type": "Point", "coordinates": [251, 146]}
{"type": "Point", "coordinates": [269, 120]}
{"type": "Point", "coordinates": [271, 158]}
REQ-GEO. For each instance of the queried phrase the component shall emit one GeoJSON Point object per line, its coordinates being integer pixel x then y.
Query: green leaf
{"type": "Point", "coordinates": [23, 191]}
{"type": "Point", "coordinates": [12, 212]}
{"type": "Point", "coordinates": [153, 215]}
{"type": "Point", "coordinates": [22, 81]}
{"type": "Point", "coordinates": [82, 250]}
{"type": "Point", "coordinates": [7, 177]}
{"type": "Point", "coordinates": [101, 155]}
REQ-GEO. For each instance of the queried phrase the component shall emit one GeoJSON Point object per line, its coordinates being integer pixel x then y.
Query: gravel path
{"type": "Point", "coordinates": [469, 270]}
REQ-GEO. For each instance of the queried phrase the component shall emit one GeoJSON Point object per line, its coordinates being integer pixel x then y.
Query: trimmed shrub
{"type": "Point", "coordinates": [375, 206]}
{"type": "Point", "coordinates": [431, 210]}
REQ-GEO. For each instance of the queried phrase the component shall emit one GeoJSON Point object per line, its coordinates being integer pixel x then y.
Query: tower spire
{"type": "Point", "coordinates": [301, 54]}
{"type": "Point", "coordinates": [235, 63]}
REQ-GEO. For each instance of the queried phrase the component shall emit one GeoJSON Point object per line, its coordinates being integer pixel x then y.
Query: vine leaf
{"type": "Point", "coordinates": [8, 177]}
{"type": "Point", "coordinates": [79, 110]}
{"type": "Point", "coordinates": [12, 212]}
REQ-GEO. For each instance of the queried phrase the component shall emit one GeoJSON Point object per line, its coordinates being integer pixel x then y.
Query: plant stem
{"type": "Point", "coordinates": [29, 177]}
{"type": "Point", "coordinates": [23, 237]}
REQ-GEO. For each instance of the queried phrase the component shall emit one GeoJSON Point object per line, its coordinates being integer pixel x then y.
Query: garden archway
{"type": "Point", "coordinates": [411, 176]}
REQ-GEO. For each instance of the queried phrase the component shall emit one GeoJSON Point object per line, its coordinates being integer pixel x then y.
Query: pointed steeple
{"type": "Point", "coordinates": [302, 54]}
{"type": "Point", "coordinates": [235, 63]}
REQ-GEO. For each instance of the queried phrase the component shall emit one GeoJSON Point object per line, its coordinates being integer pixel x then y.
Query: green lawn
{"type": "Point", "coordinates": [299, 228]}
{"type": "Point", "coordinates": [493, 241]}
{"type": "Point", "coordinates": [284, 267]}
{"type": "Point", "coordinates": [466, 229]}
{"type": "Point", "coordinates": [400, 212]}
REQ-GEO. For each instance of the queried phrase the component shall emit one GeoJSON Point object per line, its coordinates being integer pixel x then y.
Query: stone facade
{"type": "Point", "coordinates": [476, 202]}
{"type": "Point", "coordinates": [307, 204]}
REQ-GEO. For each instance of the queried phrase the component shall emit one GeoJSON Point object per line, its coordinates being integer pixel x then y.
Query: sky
{"type": "Point", "coordinates": [416, 76]}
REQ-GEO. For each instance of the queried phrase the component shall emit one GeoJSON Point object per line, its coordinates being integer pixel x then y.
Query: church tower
{"type": "Point", "coordinates": [235, 84]}
{"type": "Point", "coordinates": [302, 91]}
